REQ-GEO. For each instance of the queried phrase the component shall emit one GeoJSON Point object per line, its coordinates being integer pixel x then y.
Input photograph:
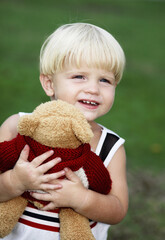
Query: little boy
{"type": "Point", "coordinates": [81, 64]}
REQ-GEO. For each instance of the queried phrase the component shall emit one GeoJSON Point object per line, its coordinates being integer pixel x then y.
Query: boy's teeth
{"type": "Point", "coordinates": [88, 102]}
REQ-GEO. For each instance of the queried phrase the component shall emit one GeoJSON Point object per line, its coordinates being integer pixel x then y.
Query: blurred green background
{"type": "Point", "coordinates": [138, 113]}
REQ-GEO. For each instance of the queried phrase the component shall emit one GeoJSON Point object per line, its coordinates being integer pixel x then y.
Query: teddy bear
{"type": "Point", "coordinates": [62, 127]}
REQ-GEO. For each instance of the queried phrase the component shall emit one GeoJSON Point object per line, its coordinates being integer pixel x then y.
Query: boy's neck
{"type": "Point", "coordinates": [97, 134]}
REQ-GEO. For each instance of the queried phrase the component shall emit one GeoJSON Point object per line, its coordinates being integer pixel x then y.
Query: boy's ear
{"type": "Point", "coordinates": [47, 84]}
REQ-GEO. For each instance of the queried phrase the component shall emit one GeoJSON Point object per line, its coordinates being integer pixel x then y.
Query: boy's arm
{"type": "Point", "coordinates": [110, 208]}
{"type": "Point", "coordinates": [8, 129]}
{"type": "Point", "coordinates": [113, 207]}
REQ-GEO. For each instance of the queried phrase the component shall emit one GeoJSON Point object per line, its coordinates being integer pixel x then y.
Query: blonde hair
{"type": "Point", "coordinates": [74, 44]}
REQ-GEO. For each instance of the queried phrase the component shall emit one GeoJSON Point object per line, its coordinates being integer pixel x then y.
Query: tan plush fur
{"type": "Point", "coordinates": [68, 127]}
{"type": "Point", "coordinates": [54, 124]}
{"type": "Point", "coordinates": [80, 228]}
{"type": "Point", "coordinates": [10, 212]}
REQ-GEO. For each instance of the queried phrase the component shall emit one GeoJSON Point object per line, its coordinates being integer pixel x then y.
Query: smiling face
{"type": "Point", "coordinates": [81, 64]}
{"type": "Point", "coordinates": [91, 90]}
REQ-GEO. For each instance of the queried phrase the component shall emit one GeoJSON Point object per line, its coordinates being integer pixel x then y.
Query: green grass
{"type": "Point", "coordinates": [138, 112]}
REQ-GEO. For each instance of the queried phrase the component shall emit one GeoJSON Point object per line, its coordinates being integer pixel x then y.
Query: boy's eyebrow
{"type": "Point", "coordinates": [76, 72]}
{"type": "Point", "coordinates": [106, 74]}
{"type": "Point", "coordinates": [109, 75]}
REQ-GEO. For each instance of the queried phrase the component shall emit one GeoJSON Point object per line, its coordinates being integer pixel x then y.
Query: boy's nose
{"type": "Point", "coordinates": [92, 87]}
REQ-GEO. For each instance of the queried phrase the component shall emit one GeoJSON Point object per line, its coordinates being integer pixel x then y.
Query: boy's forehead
{"type": "Point", "coordinates": [81, 64]}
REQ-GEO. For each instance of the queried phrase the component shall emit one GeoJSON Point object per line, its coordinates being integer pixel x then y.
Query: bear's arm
{"type": "Point", "coordinates": [8, 155]}
{"type": "Point", "coordinates": [97, 174]}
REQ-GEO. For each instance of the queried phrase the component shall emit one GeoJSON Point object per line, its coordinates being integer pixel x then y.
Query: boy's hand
{"type": "Point", "coordinates": [71, 194]}
{"type": "Point", "coordinates": [31, 175]}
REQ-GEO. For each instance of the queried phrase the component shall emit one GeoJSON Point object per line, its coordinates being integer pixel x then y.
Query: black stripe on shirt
{"type": "Point", "coordinates": [109, 142]}
{"type": "Point", "coordinates": [42, 217]}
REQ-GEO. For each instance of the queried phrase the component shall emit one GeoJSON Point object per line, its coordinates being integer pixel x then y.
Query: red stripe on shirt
{"type": "Point", "coordinates": [57, 210]}
{"type": "Point", "coordinates": [93, 225]}
{"type": "Point", "coordinates": [39, 226]}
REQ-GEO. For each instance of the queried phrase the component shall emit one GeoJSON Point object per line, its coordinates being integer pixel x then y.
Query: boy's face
{"type": "Point", "coordinates": [91, 90]}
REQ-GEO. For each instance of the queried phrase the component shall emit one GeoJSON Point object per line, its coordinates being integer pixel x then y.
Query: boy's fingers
{"type": "Point", "coordinates": [46, 166]}
{"type": "Point", "coordinates": [70, 175]}
{"type": "Point", "coordinates": [24, 153]}
{"type": "Point", "coordinates": [53, 176]}
{"type": "Point", "coordinates": [40, 159]}
{"type": "Point", "coordinates": [49, 187]}
{"type": "Point", "coordinates": [41, 196]}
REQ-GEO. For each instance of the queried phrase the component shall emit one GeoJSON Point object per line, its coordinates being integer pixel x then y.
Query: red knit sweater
{"type": "Point", "coordinates": [98, 176]}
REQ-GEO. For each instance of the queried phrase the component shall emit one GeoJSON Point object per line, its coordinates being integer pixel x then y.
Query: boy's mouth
{"type": "Point", "coordinates": [90, 103]}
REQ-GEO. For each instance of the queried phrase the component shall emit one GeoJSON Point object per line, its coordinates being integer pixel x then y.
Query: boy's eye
{"type": "Point", "coordinates": [78, 76]}
{"type": "Point", "coordinates": [105, 80]}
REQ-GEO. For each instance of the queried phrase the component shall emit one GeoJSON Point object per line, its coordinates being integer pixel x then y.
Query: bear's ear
{"type": "Point", "coordinates": [27, 125]}
{"type": "Point", "coordinates": [82, 130]}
